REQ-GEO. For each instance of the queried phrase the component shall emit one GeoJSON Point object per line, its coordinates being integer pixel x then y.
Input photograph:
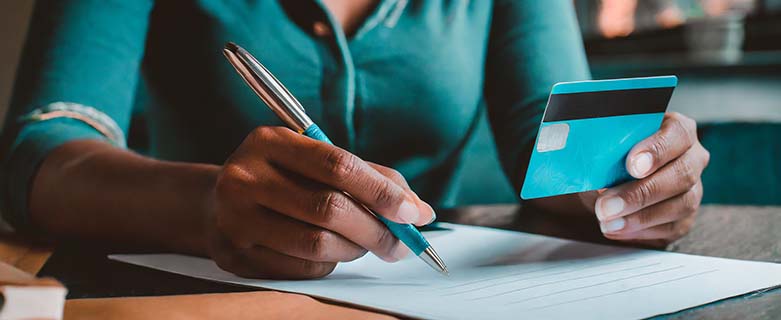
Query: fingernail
{"type": "Point", "coordinates": [433, 216]}
{"type": "Point", "coordinates": [642, 164]}
{"type": "Point", "coordinates": [408, 212]}
{"type": "Point", "coordinates": [608, 207]}
{"type": "Point", "coordinates": [612, 225]}
{"type": "Point", "coordinates": [400, 251]}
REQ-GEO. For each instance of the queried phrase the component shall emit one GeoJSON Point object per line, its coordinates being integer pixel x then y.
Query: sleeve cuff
{"type": "Point", "coordinates": [32, 144]}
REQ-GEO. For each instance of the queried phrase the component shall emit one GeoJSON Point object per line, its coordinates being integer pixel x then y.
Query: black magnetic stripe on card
{"type": "Point", "coordinates": [584, 105]}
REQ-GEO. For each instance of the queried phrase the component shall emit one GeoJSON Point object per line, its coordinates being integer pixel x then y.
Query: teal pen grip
{"type": "Point", "coordinates": [314, 132]}
{"type": "Point", "coordinates": [407, 233]}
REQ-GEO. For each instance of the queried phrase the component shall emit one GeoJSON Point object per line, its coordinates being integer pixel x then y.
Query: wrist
{"type": "Point", "coordinates": [191, 185]}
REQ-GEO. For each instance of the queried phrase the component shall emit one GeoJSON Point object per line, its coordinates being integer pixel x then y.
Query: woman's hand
{"type": "Point", "coordinates": [279, 210]}
{"type": "Point", "coordinates": [659, 207]}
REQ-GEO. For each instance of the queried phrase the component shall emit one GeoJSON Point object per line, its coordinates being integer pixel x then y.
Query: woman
{"type": "Point", "coordinates": [398, 84]}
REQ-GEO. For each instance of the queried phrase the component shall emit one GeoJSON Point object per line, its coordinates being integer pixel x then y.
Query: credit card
{"type": "Point", "coordinates": [588, 129]}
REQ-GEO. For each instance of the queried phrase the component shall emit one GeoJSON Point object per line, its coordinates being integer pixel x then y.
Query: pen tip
{"type": "Point", "coordinates": [432, 259]}
{"type": "Point", "coordinates": [231, 46]}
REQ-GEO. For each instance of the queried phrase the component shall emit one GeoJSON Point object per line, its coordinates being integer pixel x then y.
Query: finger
{"type": "Point", "coordinates": [677, 134]}
{"type": "Point", "coordinates": [223, 252]}
{"type": "Point", "coordinates": [676, 208]}
{"type": "Point", "coordinates": [262, 262]}
{"type": "Point", "coordinates": [289, 236]}
{"type": "Point", "coordinates": [339, 169]}
{"type": "Point", "coordinates": [319, 205]}
{"type": "Point", "coordinates": [427, 214]}
{"type": "Point", "coordinates": [668, 231]}
{"type": "Point", "coordinates": [671, 180]}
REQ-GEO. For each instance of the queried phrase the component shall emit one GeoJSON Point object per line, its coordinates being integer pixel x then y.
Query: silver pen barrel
{"type": "Point", "coordinates": [268, 88]}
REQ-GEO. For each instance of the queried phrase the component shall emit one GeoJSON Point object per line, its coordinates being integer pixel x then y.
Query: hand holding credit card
{"type": "Point", "coordinates": [589, 128]}
{"type": "Point", "coordinates": [615, 137]}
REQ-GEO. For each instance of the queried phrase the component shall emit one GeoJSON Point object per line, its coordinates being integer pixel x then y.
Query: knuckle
{"type": "Point", "coordinates": [264, 133]}
{"type": "Point", "coordinates": [691, 202]}
{"type": "Point", "coordinates": [312, 269]}
{"type": "Point", "coordinates": [387, 194]}
{"type": "Point", "coordinates": [383, 241]}
{"type": "Point", "coordinates": [675, 116]}
{"type": "Point", "coordinates": [396, 176]}
{"type": "Point", "coordinates": [644, 218]}
{"type": "Point", "coordinates": [642, 193]}
{"type": "Point", "coordinates": [686, 127]}
{"type": "Point", "coordinates": [706, 156]}
{"type": "Point", "coordinates": [319, 243]}
{"type": "Point", "coordinates": [661, 144]}
{"type": "Point", "coordinates": [686, 173]}
{"type": "Point", "coordinates": [678, 125]}
{"type": "Point", "coordinates": [341, 165]}
{"type": "Point", "coordinates": [329, 207]}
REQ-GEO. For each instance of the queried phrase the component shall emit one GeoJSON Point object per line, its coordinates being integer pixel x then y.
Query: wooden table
{"type": "Point", "coordinates": [740, 232]}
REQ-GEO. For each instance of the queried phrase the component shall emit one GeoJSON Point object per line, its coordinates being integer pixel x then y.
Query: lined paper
{"type": "Point", "coordinates": [502, 274]}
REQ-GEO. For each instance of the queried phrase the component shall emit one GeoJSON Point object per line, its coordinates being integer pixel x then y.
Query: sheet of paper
{"type": "Point", "coordinates": [501, 274]}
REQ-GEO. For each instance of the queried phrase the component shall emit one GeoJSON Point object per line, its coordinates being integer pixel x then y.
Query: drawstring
{"type": "Point", "coordinates": [393, 17]}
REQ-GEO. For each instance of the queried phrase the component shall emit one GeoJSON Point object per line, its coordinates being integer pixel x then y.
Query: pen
{"type": "Point", "coordinates": [287, 108]}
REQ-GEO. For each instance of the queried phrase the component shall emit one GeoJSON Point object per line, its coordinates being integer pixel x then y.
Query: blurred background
{"type": "Point", "coordinates": [727, 56]}
{"type": "Point", "coordinates": [726, 53]}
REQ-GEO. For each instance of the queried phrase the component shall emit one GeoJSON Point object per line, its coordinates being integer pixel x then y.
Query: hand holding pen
{"type": "Point", "coordinates": [288, 206]}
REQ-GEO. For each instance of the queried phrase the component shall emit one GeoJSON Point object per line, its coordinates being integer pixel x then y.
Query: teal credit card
{"type": "Point", "coordinates": [588, 129]}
